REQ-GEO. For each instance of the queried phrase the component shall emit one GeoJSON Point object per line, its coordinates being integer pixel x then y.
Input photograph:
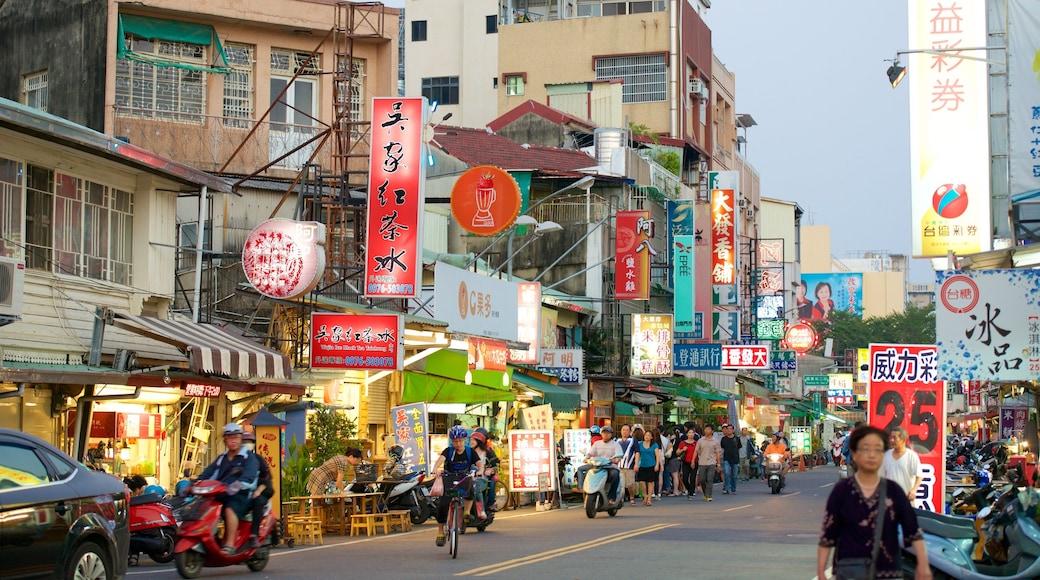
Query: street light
{"type": "Point", "coordinates": [539, 229]}
{"type": "Point", "coordinates": [896, 72]}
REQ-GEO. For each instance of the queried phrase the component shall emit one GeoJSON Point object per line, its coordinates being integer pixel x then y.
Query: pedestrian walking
{"type": "Point", "coordinates": [709, 460]}
{"type": "Point", "coordinates": [746, 451]}
{"type": "Point", "coordinates": [853, 512]}
{"type": "Point", "coordinates": [673, 463]}
{"type": "Point", "coordinates": [687, 447]}
{"type": "Point", "coordinates": [902, 464]}
{"type": "Point", "coordinates": [836, 443]}
{"type": "Point", "coordinates": [665, 450]}
{"type": "Point", "coordinates": [730, 445]}
{"type": "Point", "coordinates": [628, 461]}
{"type": "Point", "coordinates": [650, 463]}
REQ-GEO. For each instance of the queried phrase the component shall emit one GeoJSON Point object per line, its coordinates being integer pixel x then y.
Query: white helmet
{"type": "Point", "coordinates": [233, 429]}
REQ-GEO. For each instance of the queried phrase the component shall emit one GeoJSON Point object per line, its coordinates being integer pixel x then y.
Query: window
{"type": "Point", "coordinates": [491, 24]}
{"type": "Point", "coordinates": [11, 208]}
{"type": "Point", "coordinates": [645, 76]}
{"type": "Point", "coordinates": [78, 227]}
{"type": "Point", "coordinates": [23, 461]}
{"type": "Point", "coordinates": [514, 85]}
{"type": "Point", "coordinates": [61, 466]}
{"type": "Point", "coordinates": [355, 100]}
{"type": "Point", "coordinates": [239, 87]}
{"type": "Point", "coordinates": [162, 92]}
{"type": "Point", "coordinates": [418, 30]}
{"type": "Point", "coordinates": [188, 237]}
{"type": "Point", "coordinates": [34, 90]}
{"type": "Point", "coordinates": [444, 90]}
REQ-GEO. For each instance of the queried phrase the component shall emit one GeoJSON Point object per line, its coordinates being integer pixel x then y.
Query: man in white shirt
{"type": "Point", "coordinates": [607, 448]}
{"type": "Point", "coordinates": [902, 464]}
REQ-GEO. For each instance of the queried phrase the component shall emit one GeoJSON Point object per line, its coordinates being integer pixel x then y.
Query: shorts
{"type": "Point", "coordinates": [628, 477]}
{"type": "Point", "coordinates": [673, 465]}
{"type": "Point", "coordinates": [239, 503]}
{"type": "Point", "coordinates": [646, 474]}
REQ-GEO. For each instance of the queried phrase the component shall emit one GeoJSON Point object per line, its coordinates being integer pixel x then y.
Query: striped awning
{"type": "Point", "coordinates": [211, 349]}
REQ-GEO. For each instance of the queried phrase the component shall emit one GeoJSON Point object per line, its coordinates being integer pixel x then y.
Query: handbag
{"type": "Point", "coordinates": [437, 489]}
{"type": "Point", "coordinates": [864, 568]}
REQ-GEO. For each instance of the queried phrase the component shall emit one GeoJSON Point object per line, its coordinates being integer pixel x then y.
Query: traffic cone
{"type": "Point", "coordinates": [801, 463]}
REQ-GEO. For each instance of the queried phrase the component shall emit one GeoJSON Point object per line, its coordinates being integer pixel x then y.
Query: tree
{"type": "Point", "coordinates": [915, 325]}
{"type": "Point", "coordinates": [329, 431]}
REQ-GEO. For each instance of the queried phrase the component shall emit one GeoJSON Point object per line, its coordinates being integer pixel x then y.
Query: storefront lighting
{"type": "Point", "coordinates": [896, 71]}
{"type": "Point", "coordinates": [124, 454]}
{"type": "Point", "coordinates": [505, 379]}
{"type": "Point", "coordinates": [469, 378]}
{"type": "Point", "coordinates": [531, 394]}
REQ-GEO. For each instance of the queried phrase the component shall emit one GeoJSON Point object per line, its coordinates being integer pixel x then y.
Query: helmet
{"type": "Point", "coordinates": [778, 434]}
{"type": "Point", "coordinates": [607, 428]}
{"type": "Point", "coordinates": [457, 432]}
{"type": "Point", "coordinates": [155, 489]}
{"type": "Point", "coordinates": [480, 434]}
{"type": "Point", "coordinates": [249, 436]}
{"type": "Point", "coordinates": [396, 452]}
{"type": "Point", "coordinates": [233, 429]}
{"type": "Point", "coordinates": [181, 489]}
{"type": "Point", "coordinates": [594, 429]}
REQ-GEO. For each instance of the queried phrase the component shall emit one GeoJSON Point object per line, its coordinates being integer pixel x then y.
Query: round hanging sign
{"type": "Point", "coordinates": [485, 200]}
{"type": "Point", "coordinates": [800, 337]}
{"type": "Point", "coordinates": [284, 258]}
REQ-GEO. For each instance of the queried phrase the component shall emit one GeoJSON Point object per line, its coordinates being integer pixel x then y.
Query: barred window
{"type": "Point", "coordinates": [11, 204]}
{"type": "Point", "coordinates": [162, 92]}
{"type": "Point", "coordinates": [288, 62]}
{"type": "Point", "coordinates": [645, 76]}
{"type": "Point", "coordinates": [34, 90]}
{"type": "Point", "coordinates": [239, 85]}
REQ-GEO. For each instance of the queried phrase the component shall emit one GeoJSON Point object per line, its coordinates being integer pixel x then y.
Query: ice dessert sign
{"type": "Point", "coordinates": [485, 200]}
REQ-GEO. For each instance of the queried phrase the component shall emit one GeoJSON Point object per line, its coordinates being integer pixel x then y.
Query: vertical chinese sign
{"type": "Point", "coordinates": [685, 283]}
{"type": "Point", "coordinates": [1013, 422]}
{"type": "Point", "coordinates": [393, 261]}
{"type": "Point", "coordinates": [410, 433]}
{"type": "Point", "coordinates": [949, 130]}
{"type": "Point", "coordinates": [906, 392]}
{"type": "Point", "coordinates": [531, 453]}
{"type": "Point", "coordinates": [651, 345]}
{"type": "Point", "coordinates": [528, 315]}
{"type": "Point", "coordinates": [974, 393]}
{"type": "Point", "coordinates": [1023, 93]}
{"type": "Point", "coordinates": [635, 232]}
{"type": "Point", "coordinates": [370, 342]}
{"type": "Point", "coordinates": [724, 186]}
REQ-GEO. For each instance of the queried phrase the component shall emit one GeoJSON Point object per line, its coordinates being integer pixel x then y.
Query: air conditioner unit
{"type": "Point", "coordinates": [696, 86]}
{"type": "Point", "coordinates": [742, 202]}
{"type": "Point", "coordinates": [750, 212]}
{"type": "Point", "coordinates": [12, 286]}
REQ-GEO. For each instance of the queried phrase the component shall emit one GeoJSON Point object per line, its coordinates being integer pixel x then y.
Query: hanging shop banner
{"type": "Point", "coordinates": [783, 360]}
{"type": "Point", "coordinates": [906, 392]}
{"type": "Point", "coordinates": [410, 433]}
{"type": "Point", "coordinates": [138, 425]}
{"type": "Point", "coordinates": [538, 417]}
{"type": "Point", "coordinates": [528, 317]}
{"type": "Point", "coordinates": [632, 252]}
{"type": "Point", "coordinates": [531, 453]}
{"type": "Point", "coordinates": [862, 364]}
{"type": "Point", "coordinates": [685, 283]}
{"type": "Point", "coordinates": [974, 393]}
{"type": "Point", "coordinates": [949, 129]}
{"type": "Point", "coordinates": [484, 354]}
{"type": "Point", "coordinates": [475, 304]}
{"type": "Point", "coordinates": [651, 345]}
{"type": "Point", "coordinates": [576, 442]}
{"type": "Point", "coordinates": [698, 357]}
{"type": "Point", "coordinates": [680, 223]}
{"type": "Point", "coordinates": [1013, 422]}
{"type": "Point", "coordinates": [801, 441]}
{"type": "Point", "coordinates": [725, 187]}
{"type": "Point", "coordinates": [988, 325]}
{"type": "Point", "coordinates": [567, 364]}
{"type": "Point", "coordinates": [800, 337]}
{"type": "Point", "coordinates": [1023, 93]}
{"type": "Point", "coordinates": [370, 342]}
{"type": "Point", "coordinates": [284, 258]}
{"type": "Point", "coordinates": [839, 291]}
{"type": "Point", "coordinates": [485, 200]}
{"type": "Point", "coordinates": [746, 356]}
{"type": "Point", "coordinates": [725, 325]}
{"type": "Point", "coordinates": [702, 275]}
{"type": "Point", "coordinates": [102, 424]}
{"type": "Point", "coordinates": [396, 178]}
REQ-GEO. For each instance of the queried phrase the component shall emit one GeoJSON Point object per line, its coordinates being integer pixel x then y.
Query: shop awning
{"type": "Point", "coordinates": [173, 31]}
{"type": "Point", "coordinates": [707, 395]}
{"type": "Point", "coordinates": [422, 387]}
{"type": "Point", "coordinates": [627, 409]}
{"type": "Point", "coordinates": [832, 417]}
{"type": "Point", "coordinates": [212, 350]}
{"type": "Point", "coordinates": [561, 398]}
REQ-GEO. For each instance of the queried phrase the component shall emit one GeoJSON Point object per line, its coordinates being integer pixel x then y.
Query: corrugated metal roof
{"type": "Point", "coordinates": [479, 147]}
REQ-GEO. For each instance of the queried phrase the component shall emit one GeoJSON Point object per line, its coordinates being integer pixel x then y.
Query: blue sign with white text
{"type": "Point", "coordinates": [697, 357]}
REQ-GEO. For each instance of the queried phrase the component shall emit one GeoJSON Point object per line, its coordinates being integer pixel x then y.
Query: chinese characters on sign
{"type": "Point", "coordinates": [906, 392]}
{"type": "Point", "coordinates": [531, 453]}
{"type": "Point", "coordinates": [356, 341]}
{"type": "Point", "coordinates": [539, 417]}
{"type": "Point", "coordinates": [484, 354]}
{"type": "Point", "coordinates": [1023, 97]}
{"type": "Point", "coordinates": [410, 433]}
{"type": "Point", "coordinates": [633, 250]}
{"type": "Point", "coordinates": [1013, 422]}
{"type": "Point", "coordinates": [475, 304]}
{"type": "Point", "coordinates": [724, 188]}
{"type": "Point", "coordinates": [393, 261]}
{"type": "Point", "coordinates": [698, 357]}
{"type": "Point", "coordinates": [685, 282]}
{"type": "Point", "coordinates": [746, 356]}
{"type": "Point", "coordinates": [201, 390]}
{"type": "Point", "coordinates": [568, 364]}
{"type": "Point", "coordinates": [975, 393]}
{"type": "Point", "coordinates": [284, 258]}
{"type": "Point", "coordinates": [987, 325]}
{"type": "Point", "coordinates": [651, 345]}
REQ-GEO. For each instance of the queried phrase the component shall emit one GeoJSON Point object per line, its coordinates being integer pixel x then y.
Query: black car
{"type": "Point", "coordinates": [57, 517]}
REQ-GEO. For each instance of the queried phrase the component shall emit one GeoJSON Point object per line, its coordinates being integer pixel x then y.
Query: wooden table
{"type": "Point", "coordinates": [367, 502]}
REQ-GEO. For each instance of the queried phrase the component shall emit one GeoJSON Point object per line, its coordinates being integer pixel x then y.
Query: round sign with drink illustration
{"type": "Point", "coordinates": [485, 200]}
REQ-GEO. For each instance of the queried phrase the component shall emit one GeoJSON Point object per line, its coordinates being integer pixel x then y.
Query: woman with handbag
{"type": "Point", "coordinates": [866, 537]}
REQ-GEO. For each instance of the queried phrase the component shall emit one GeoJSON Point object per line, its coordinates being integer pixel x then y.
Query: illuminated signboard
{"type": "Point", "coordinates": [651, 345]}
{"type": "Point", "coordinates": [356, 341]}
{"type": "Point", "coordinates": [633, 249]}
{"type": "Point", "coordinates": [284, 258]}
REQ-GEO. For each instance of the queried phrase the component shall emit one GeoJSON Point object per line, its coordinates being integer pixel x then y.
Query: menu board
{"type": "Point", "coordinates": [531, 453]}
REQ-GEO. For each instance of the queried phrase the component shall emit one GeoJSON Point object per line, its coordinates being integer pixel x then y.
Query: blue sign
{"type": "Point", "coordinates": [783, 365]}
{"type": "Point", "coordinates": [410, 432]}
{"type": "Point", "coordinates": [567, 375]}
{"type": "Point", "coordinates": [697, 357]}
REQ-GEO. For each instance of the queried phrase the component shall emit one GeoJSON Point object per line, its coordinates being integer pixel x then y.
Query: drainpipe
{"type": "Point", "coordinates": [675, 77]}
{"type": "Point", "coordinates": [199, 245]}
{"type": "Point", "coordinates": [15, 393]}
{"type": "Point", "coordinates": [82, 430]}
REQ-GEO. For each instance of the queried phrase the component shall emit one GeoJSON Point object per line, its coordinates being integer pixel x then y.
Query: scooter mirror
{"type": "Point", "coordinates": [984, 512]}
{"type": "Point", "coordinates": [959, 492]}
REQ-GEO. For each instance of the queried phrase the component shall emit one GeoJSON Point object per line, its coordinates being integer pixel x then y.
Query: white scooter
{"type": "Point", "coordinates": [595, 488]}
{"type": "Point", "coordinates": [405, 494]}
{"type": "Point", "coordinates": [775, 471]}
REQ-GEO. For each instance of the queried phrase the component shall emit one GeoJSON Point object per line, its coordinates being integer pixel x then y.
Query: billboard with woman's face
{"type": "Point", "coordinates": [826, 292]}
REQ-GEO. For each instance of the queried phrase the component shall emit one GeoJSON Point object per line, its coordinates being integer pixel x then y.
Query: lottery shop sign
{"type": "Point", "coordinates": [531, 452]}
{"type": "Point", "coordinates": [905, 391]}
{"type": "Point", "coordinates": [410, 434]}
{"type": "Point", "coordinates": [356, 341]}
{"type": "Point", "coordinates": [724, 187]}
{"type": "Point", "coordinates": [396, 174]}
{"type": "Point", "coordinates": [746, 356]}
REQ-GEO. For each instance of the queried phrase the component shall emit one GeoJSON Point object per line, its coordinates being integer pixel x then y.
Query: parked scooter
{"type": "Point", "coordinates": [775, 472]}
{"type": "Point", "coordinates": [153, 528]}
{"type": "Point", "coordinates": [406, 494]}
{"type": "Point", "coordinates": [197, 544]}
{"type": "Point", "coordinates": [595, 488]}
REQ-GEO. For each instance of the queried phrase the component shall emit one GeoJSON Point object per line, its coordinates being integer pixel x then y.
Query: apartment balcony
{"type": "Point", "coordinates": [207, 142]}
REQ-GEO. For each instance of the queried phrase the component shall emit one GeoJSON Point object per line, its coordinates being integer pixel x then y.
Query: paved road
{"type": "Point", "coordinates": [752, 534]}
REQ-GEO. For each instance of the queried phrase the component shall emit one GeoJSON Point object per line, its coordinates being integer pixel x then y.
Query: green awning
{"type": "Point", "coordinates": [453, 365]}
{"type": "Point", "coordinates": [172, 31]}
{"type": "Point", "coordinates": [708, 395]}
{"type": "Point", "coordinates": [561, 398]}
{"type": "Point", "coordinates": [425, 388]}
{"type": "Point", "coordinates": [626, 409]}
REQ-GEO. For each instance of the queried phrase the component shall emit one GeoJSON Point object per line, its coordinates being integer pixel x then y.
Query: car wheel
{"type": "Point", "coordinates": [88, 563]}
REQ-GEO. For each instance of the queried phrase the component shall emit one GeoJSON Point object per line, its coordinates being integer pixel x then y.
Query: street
{"type": "Point", "coordinates": [748, 535]}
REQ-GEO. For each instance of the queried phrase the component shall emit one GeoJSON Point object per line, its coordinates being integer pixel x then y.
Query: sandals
{"type": "Point", "coordinates": [227, 550]}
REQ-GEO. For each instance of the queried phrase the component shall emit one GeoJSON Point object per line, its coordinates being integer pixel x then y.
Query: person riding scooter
{"type": "Point", "coordinates": [778, 447]}
{"type": "Point", "coordinates": [608, 448]}
{"type": "Point", "coordinates": [238, 469]}
{"type": "Point", "coordinates": [264, 489]}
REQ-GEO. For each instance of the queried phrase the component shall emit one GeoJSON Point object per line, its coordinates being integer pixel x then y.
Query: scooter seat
{"type": "Point", "coordinates": [146, 498]}
{"type": "Point", "coordinates": [951, 527]}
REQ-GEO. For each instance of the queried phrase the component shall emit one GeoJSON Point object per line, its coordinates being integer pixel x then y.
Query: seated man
{"type": "Point", "coordinates": [777, 446]}
{"type": "Point", "coordinates": [608, 448]}
{"type": "Point", "coordinates": [238, 469]}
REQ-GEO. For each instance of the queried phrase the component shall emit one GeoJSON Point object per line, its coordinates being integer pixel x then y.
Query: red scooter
{"type": "Point", "coordinates": [152, 528]}
{"type": "Point", "coordinates": [197, 543]}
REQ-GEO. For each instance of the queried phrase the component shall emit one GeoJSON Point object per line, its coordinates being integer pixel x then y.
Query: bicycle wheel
{"type": "Point", "coordinates": [456, 526]}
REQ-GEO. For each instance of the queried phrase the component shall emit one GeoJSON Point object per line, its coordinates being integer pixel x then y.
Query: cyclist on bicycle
{"type": "Point", "coordinates": [454, 463]}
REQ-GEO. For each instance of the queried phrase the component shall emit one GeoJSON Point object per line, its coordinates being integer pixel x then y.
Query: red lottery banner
{"type": "Point", "coordinates": [357, 341]}
{"type": "Point", "coordinates": [905, 391]}
{"type": "Point", "coordinates": [723, 237]}
{"type": "Point", "coordinates": [396, 177]}
{"type": "Point", "coordinates": [975, 393]}
{"type": "Point", "coordinates": [531, 453]}
{"type": "Point", "coordinates": [633, 249]}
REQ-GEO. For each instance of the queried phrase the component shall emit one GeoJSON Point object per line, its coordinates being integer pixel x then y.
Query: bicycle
{"type": "Point", "coordinates": [455, 525]}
